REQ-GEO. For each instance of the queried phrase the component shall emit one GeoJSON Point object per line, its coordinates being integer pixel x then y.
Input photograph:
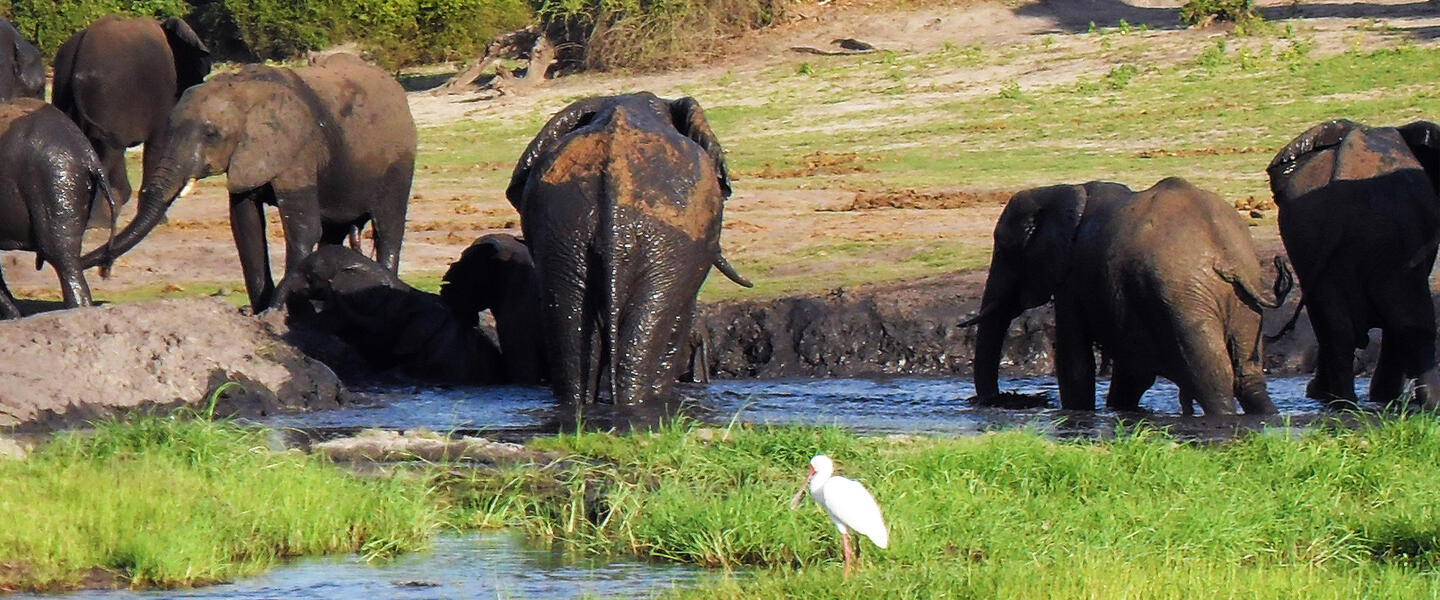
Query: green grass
{"type": "Point", "coordinates": [846, 263]}
{"type": "Point", "coordinates": [1332, 514]}
{"type": "Point", "coordinates": [175, 502]}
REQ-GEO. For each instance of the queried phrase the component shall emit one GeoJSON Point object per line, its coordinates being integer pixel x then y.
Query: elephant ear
{"type": "Point", "coordinates": [579, 114]}
{"type": "Point", "coordinates": [29, 69]}
{"type": "Point", "coordinates": [1043, 230]}
{"type": "Point", "coordinates": [192, 57]}
{"type": "Point", "coordinates": [690, 121]}
{"type": "Point", "coordinates": [1325, 135]}
{"type": "Point", "coordinates": [1423, 138]}
{"type": "Point", "coordinates": [281, 131]}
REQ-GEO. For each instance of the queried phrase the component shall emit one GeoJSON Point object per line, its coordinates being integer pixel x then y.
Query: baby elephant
{"type": "Point", "coordinates": [391, 324]}
{"type": "Point", "coordinates": [49, 175]}
{"type": "Point", "coordinates": [1165, 281]}
{"type": "Point", "coordinates": [497, 274]}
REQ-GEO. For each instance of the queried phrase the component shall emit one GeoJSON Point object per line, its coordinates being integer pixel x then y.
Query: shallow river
{"type": "Point", "coordinates": [474, 565]}
{"type": "Point", "coordinates": [893, 405]}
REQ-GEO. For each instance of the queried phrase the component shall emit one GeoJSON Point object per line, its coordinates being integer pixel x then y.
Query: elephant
{"type": "Point", "coordinates": [497, 274]}
{"type": "Point", "coordinates": [1359, 217]}
{"type": "Point", "coordinates": [620, 200]}
{"type": "Point", "coordinates": [332, 146]}
{"type": "Point", "coordinates": [49, 177]}
{"type": "Point", "coordinates": [1165, 281]}
{"type": "Point", "coordinates": [392, 325]}
{"type": "Point", "coordinates": [118, 80]}
{"type": "Point", "coordinates": [24, 77]}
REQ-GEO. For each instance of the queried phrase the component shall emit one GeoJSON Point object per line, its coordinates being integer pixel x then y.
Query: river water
{"type": "Point", "coordinates": [875, 406]}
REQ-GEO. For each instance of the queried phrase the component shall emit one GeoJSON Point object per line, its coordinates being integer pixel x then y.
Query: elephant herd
{"type": "Point", "coordinates": [621, 200]}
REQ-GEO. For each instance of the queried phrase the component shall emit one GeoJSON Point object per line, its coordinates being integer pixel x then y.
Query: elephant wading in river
{"type": "Point", "coordinates": [49, 177]}
{"type": "Point", "coordinates": [497, 274]}
{"type": "Point", "coordinates": [1165, 281]}
{"type": "Point", "coordinates": [1359, 217]}
{"type": "Point", "coordinates": [332, 146]}
{"type": "Point", "coordinates": [620, 199]}
{"type": "Point", "coordinates": [118, 80]}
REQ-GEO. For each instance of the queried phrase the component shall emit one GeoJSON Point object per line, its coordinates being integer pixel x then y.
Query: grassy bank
{"type": "Point", "coordinates": [1333, 514]}
{"type": "Point", "coordinates": [165, 502]}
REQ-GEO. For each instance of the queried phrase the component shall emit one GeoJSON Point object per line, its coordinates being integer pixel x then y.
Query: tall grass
{"type": "Point", "coordinates": [655, 33]}
{"type": "Point", "coordinates": [1332, 514]}
{"type": "Point", "coordinates": [174, 502]}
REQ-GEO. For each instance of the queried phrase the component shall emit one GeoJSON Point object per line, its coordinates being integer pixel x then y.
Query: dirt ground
{"type": "Point", "coordinates": [194, 254]}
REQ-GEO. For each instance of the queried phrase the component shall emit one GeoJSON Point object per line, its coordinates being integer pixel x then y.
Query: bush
{"type": "Point", "coordinates": [1201, 11]}
{"type": "Point", "coordinates": [49, 23]}
{"type": "Point", "coordinates": [653, 33]}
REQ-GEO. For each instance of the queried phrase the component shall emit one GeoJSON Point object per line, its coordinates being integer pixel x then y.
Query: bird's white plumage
{"type": "Point", "coordinates": [848, 503]}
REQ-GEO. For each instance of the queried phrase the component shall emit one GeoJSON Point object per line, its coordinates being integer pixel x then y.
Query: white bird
{"type": "Point", "coordinates": [848, 503]}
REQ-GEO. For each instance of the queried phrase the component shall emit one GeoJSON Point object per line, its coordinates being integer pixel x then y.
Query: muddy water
{"type": "Point", "coordinates": [478, 565]}
{"type": "Point", "coordinates": [879, 406]}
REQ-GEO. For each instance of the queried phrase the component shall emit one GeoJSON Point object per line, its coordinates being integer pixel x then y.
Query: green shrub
{"type": "Point", "coordinates": [49, 23]}
{"type": "Point", "coordinates": [1199, 11]}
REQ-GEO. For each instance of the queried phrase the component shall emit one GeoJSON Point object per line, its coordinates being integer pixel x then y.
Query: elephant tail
{"type": "Point", "coordinates": [615, 292]}
{"type": "Point", "coordinates": [101, 185]}
{"type": "Point", "coordinates": [1289, 325]}
{"type": "Point", "coordinates": [1253, 295]}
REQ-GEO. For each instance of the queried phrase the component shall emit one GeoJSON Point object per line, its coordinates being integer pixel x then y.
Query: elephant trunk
{"type": "Point", "coordinates": [997, 309]}
{"type": "Point", "coordinates": [156, 195]}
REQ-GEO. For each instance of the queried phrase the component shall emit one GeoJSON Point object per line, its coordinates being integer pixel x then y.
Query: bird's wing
{"type": "Point", "coordinates": [850, 503]}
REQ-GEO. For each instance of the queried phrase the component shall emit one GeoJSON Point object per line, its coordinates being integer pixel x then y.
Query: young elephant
{"type": "Point", "coordinates": [1359, 216]}
{"type": "Point", "coordinates": [330, 146]}
{"type": "Point", "coordinates": [49, 176]}
{"type": "Point", "coordinates": [394, 326]}
{"type": "Point", "coordinates": [496, 273]}
{"type": "Point", "coordinates": [620, 199]}
{"type": "Point", "coordinates": [1165, 281]}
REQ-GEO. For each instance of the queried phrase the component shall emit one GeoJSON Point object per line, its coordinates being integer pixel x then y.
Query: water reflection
{"type": "Point", "coordinates": [891, 405]}
{"type": "Point", "coordinates": [475, 565]}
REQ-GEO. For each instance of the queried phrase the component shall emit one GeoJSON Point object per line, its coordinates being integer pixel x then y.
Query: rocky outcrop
{"type": "Point", "coordinates": [68, 366]}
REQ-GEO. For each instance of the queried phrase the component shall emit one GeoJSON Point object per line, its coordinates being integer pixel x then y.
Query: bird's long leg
{"type": "Point", "coordinates": [849, 556]}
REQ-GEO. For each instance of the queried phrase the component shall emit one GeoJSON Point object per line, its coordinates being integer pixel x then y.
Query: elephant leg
{"type": "Point", "coordinates": [1389, 379]}
{"type": "Point", "coordinates": [1407, 349]}
{"type": "Point", "coordinates": [1204, 371]}
{"type": "Point", "coordinates": [1127, 385]}
{"type": "Point", "coordinates": [1074, 361]}
{"type": "Point", "coordinates": [300, 219]}
{"type": "Point", "coordinates": [1247, 362]}
{"type": "Point", "coordinates": [112, 159]}
{"type": "Point", "coordinates": [388, 219]}
{"type": "Point", "coordinates": [8, 309]}
{"type": "Point", "coordinates": [247, 224]}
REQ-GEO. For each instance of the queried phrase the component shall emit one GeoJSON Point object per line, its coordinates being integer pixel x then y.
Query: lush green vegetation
{"type": "Point", "coordinates": [175, 502]}
{"type": "Point", "coordinates": [1194, 12]}
{"type": "Point", "coordinates": [1330, 514]}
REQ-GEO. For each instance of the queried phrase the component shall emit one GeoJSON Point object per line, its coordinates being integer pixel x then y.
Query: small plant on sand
{"type": "Point", "coordinates": [1011, 91]}
{"type": "Point", "coordinates": [1204, 12]}
{"type": "Point", "coordinates": [1119, 77]}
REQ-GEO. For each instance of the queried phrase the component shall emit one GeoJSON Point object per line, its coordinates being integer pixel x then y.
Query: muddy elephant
{"type": "Point", "coordinates": [1359, 217]}
{"type": "Point", "coordinates": [49, 177]}
{"type": "Point", "coordinates": [497, 274]}
{"type": "Point", "coordinates": [332, 146]}
{"type": "Point", "coordinates": [620, 201]}
{"type": "Point", "coordinates": [1164, 281]}
{"type": "Point", "coordinates": [22, 71]}
{"type": "Point", "coordinates": [118, 80]}
{"type": "Point", "coordinates": [392, 325]}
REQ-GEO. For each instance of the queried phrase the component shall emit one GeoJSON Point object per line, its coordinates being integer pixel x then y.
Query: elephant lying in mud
{"type": "Point", "coordinates": [1360, 218]}
{"type": "Point", "coordinates": [496, 274]}
{"type": "Point", "coordinates": [392, 325]}
{"type": "Point", "coordinates": [1165, 281]}
{"type": "Point", "coordinates": [620, 199]}
{"type": "Point", "coordinates": [331, 146]}
{"type": "Point", "coordinates": [49, 178]}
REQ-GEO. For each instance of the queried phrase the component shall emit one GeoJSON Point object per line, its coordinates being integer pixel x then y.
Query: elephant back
{"type": "Point", "coordinates": [1337, 151]}
{"type": "Point", "coordinates": [13, 110]}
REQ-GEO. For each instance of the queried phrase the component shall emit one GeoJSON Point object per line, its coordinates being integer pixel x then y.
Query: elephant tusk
{"type": "Point", "coordinates": [730, 272]}
{"type": "Point", "coordinates": [985, 311]}
{"type": "Point", "coordinates": [185, 188]}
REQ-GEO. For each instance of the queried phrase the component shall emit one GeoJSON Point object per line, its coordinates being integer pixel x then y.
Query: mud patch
{"type": "Point", "coordinates": [816, 163]}
{"type": "Point", "coordinates": [926, 200]}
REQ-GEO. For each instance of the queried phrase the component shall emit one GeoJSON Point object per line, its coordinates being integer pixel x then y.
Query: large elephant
{"type": "Point", "coordinates": [497, 274]}
{"type": "Point", "coordinates": [620, 200]}
{"type": "Point", "coordinates": [1165, 281]}
{"type": "Point", "coordinates": [118, 80]}
{"type": "Point", "coordinates": [392, 325]}
{"type": "Point", "coordinates": [332, 146]}
{"type": "Point", "coordinates": [22, 71]}
{"type": "Point", "coordinates": [1359, 217]}
{"type": "Point", "coordinates": [49, 177]}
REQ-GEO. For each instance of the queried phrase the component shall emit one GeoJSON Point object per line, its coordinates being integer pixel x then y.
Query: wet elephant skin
{"type": "Point", "coordinates": [620, 200]}
{"type": "Point", "coordinates": [496, 273]}
{"type": "Point", "coordinates": [1359, 217]}
{"type": "Point", "coordinates": [1164, 281]}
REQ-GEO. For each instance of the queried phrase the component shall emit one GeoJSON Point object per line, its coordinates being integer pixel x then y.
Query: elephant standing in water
{"type": "Point", "coordinates": [1165, 281]}
{"type": "Point", "coordinates": [49, 177]}
{"type": "Point", "coordinates": [332, 146]}
{"type": "Point", "coordinates": [118, 80]}
{"type": "Point", "coordinates": [620, 200]}
{"type": "Point", "coordinates": [1359, 216]}
{"type": "Point", "coordinates": [497, 274]}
